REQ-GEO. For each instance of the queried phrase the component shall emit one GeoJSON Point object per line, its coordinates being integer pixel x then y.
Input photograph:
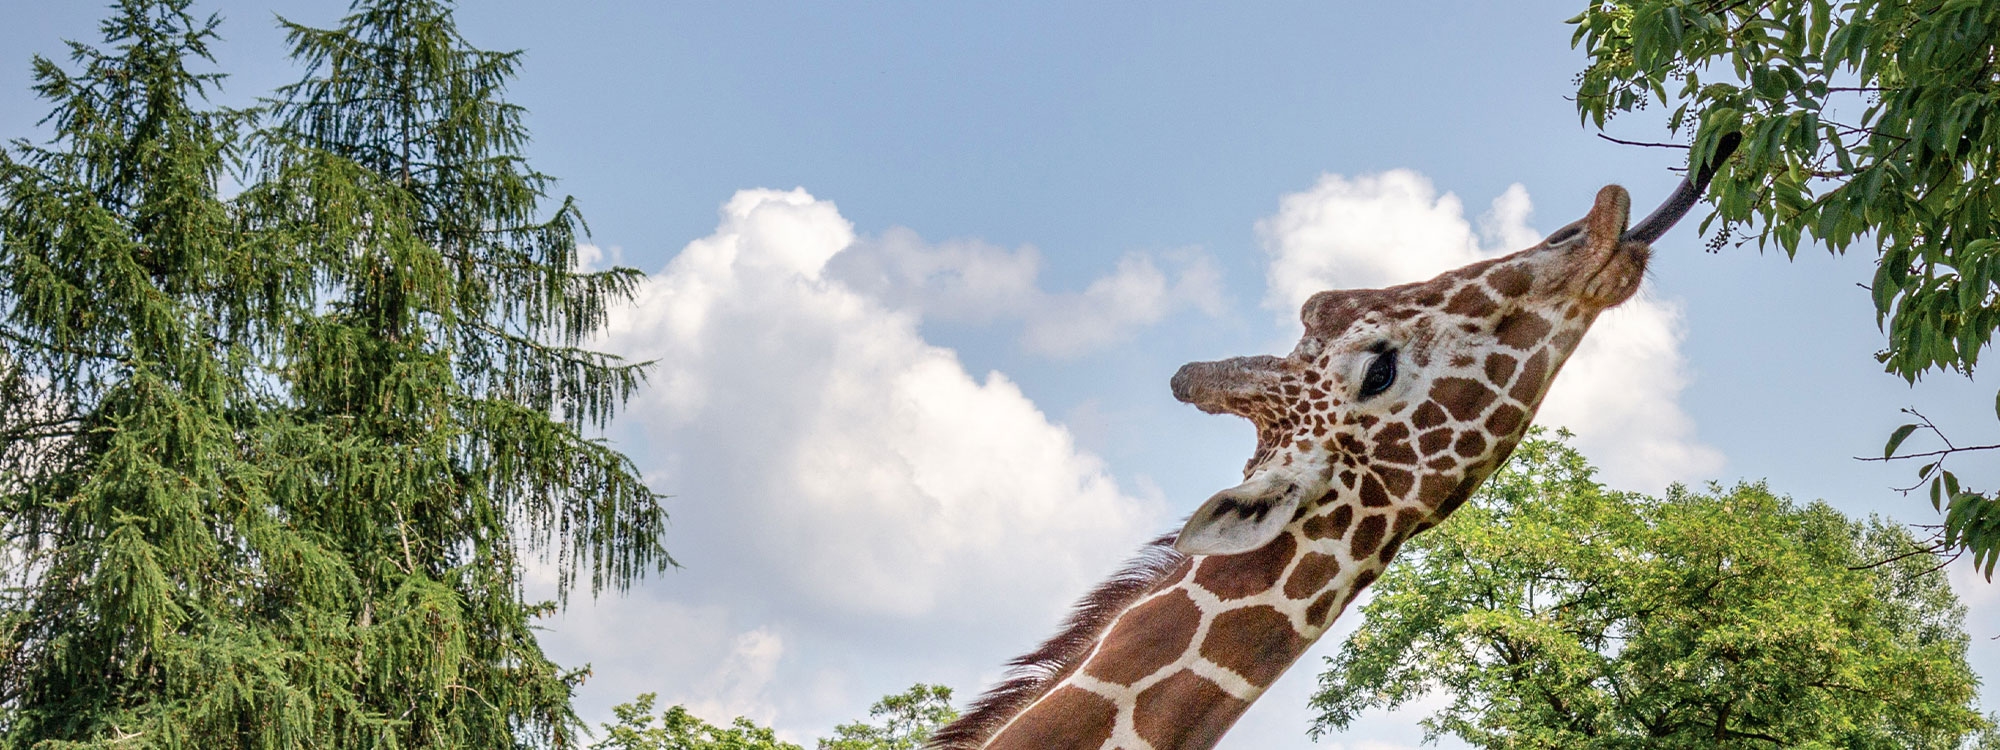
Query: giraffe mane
{"type": "Point", "coordinates": [1030, 676]}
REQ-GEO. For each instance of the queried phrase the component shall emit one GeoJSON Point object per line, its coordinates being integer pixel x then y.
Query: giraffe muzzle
{"type": "Point", "coordinates": [1230, 386]}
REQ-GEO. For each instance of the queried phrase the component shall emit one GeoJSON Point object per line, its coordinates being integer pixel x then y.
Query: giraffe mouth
{"type": "Point", "coordinates": [1618, 277]}
{"type": "Point", "coordinates": [1604, 268]}
{"type": "Point", "coordinates": [1621, 262]}
{"type": "Point", "coordinates": [1617, 263]}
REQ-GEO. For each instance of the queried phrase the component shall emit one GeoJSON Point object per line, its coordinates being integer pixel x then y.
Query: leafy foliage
{"type": "Point", "coordinates": [676, 729]}
{"type": "Point", "coordinates": [1868, 120]}
{"type": "Point", "coordinates": [270, 463]}
{"type": "Point", "coordinates": [907, 720]}
{"type": "Point", "coordinates": [1554, 612]}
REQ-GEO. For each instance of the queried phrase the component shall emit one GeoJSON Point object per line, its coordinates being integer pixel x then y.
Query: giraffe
{"type": "Point", "coordinates": [1396, 404]}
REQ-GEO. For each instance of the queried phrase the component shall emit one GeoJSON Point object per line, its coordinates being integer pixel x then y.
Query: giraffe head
{"type": "Point", "coordinates": [1411, 395]}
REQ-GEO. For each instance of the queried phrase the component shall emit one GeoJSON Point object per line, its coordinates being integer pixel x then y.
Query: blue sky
{"type": "Point", "coordinates": [913, 394]}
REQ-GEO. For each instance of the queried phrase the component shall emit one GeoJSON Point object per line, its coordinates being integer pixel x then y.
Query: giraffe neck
{"type": "Point", "coordinates": [1190, 642]}
{"type": "Point", "coordinates": [1170, 652]}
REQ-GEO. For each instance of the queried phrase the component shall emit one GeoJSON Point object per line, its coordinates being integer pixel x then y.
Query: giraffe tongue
{"type": "Point", "coordinates": [1684, 197]}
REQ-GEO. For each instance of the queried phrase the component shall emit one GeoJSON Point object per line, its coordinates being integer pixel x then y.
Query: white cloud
{"type": "Point", "coordinates": [845, 494]}
{"type": "Point", "coordinates": [738, 686]}
{"type": "Point", "coordinates": [1620, 391]}
{"type": "Point", "coordinates": [978, 282]}
{"type": "Point", "coordinates": [591, 257]}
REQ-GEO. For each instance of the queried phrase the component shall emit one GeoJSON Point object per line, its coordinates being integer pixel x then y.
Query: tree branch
{"type": "Point", "coordinates": [1624, 142]}
{"type": "Point", "coordinates": [1929, 549]}
{"type": "Point", "coordinates": [1945, 452]}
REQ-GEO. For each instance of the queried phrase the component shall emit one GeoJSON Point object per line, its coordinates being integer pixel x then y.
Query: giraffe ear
{"type": "Point", "coordinates": [1241, 518]}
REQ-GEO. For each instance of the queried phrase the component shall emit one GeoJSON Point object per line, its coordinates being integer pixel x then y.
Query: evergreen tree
{"type": "Point", "coordinates": [271, 465]}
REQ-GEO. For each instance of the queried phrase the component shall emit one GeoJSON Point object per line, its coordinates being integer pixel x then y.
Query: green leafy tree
{"type": "Point", "coordinates": [271, 463]}
{"type": "Point", "coordinates": [1873, 120]}
{"type": "Point", "coordinates": [676, 729]}
{"type": "Point", "coordinates": [897, 722]}
{"type": "Point", "coordinates": [1555, 613]}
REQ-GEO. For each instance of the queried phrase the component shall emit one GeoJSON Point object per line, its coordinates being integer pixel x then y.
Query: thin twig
{"type": "Point", "coordinates": [1925, 550]}
{"type": "Point", "coordinates": [1940, 566]}
{"type": "Point", "coordinates": [1641, 143]}
{"type": "Point", "coordinates": [1945, 452]}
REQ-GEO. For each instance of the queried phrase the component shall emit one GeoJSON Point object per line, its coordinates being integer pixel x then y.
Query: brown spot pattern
{"type": "Point", "coordinates": [1433, 490]}
{"type": "Point", "coordinates": [1372, 493]}
{"type": "Point", "coordinates": [1435, 440]}
{"type": "Point", "coordinates": [1145, 639]}
{"type": "Point", "coordinates": [1397, 480]}
{"type": "Point", "coordinates": [1389, 550]}
{"type": "Point", "coordinates": [1532, 375]}
{"type": "Point", "coordinates": [1406, 522]}
{"type": "Point", "coordinates": [1522, 329]}
{"type": "Point", "coordinates": [1392, 444]}
{"type": "Point", "coordinates": [1367, 536]}
{"type": "Point", "coordinates": [1471, 443]}
{"type": "Point", "coordinates": [1505, 421]}
{"type": "Point", "coordinates": [1510, 281]}
{"type": "Point", "coordinates": [1427, 416]}
{"type": "Point", "coordinates": [1311, 574]}
{"type": "Point", "coordinates": [1317, 612]}
{"type": "Point", "coordinates": [1256, 642]}
{"type": "Point", "coordinates": [1238, 576]}
{"type": "Point", "coordinates": [1184, 710]}
{"type": "Point", "coordinates": [1499, 367]}
{"type": "Point", "coordinates": [1071, 717]}
{"type": "Point", "coordinates": [1361, 581]}
{"type": "Point", "coordinates": [1471, 302]}
{"type": "Point", "coordinates": [1465, 398]}
{"type": "Point", "coordinates": [1332, 525]}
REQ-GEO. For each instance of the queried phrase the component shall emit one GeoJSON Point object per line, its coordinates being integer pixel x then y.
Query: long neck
{"type": "Point", "coordinates": [1174, 662]}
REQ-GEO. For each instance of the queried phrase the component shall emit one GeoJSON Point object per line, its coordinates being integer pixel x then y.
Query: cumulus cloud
{"type": "Point", "coordinates": [838, 480]}
{"type": "Point", "coordinates": [1620, 391]}
{"type": "Point", "coordinates": [591, 257]}
{"type": "Point", "coordinates": [974, 281]}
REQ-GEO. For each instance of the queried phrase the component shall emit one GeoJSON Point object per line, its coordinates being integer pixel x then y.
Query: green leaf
{"type": "Point", "coordinates": [1896, 439]}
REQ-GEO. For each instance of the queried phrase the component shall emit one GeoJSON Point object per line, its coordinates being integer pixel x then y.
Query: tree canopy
{"type": "Point", "coordinates": [903, 721]}
{"type": "Point", "coordinates": [289, 398]}
{"type": "Point", "coordinates": [907, 720]}
{"type": "Point", "coordinates": [1554, 612]}
{"type": "Point", "coordinates": [1873, 121]}
{"type": "Point", "coordinates": [677, 729]}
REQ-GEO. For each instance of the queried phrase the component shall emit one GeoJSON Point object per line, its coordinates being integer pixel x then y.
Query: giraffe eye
{"type": "Point", "coordinates": [1381, 373]}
